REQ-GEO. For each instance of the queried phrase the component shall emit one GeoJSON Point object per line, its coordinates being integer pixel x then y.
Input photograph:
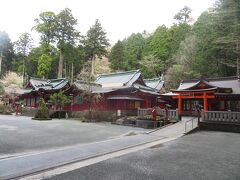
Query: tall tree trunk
{"type": "Point", "coordinates": [24, 69]}
{"type": "Point", "coordinates": [93, 65]}
{"type": "Point", "coordinates": [65, 70]}
{"type": "Point", "coordinates": [72, 74]}
{"type": "Point", "coordinates": [237, 49]}
{"type": "Point", "coordinates": [60, 64]}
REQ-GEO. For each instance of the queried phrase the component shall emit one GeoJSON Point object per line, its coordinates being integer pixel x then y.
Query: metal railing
{"type": "Point", "coordinates": [187, 122]}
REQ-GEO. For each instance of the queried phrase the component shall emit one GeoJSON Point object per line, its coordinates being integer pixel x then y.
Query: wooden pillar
{"type": "Point", "coordinates": [180, 104]}
{"type": "Point", "coordinates": [146, 103]}
{"type": "Point", "coordinates": [205, 103]}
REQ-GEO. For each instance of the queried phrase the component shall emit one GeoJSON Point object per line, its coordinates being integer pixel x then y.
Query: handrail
{"type": "Point", "coordinates": [221, 116]}
{"type": "Point", "coordinates": [188, 122]}
{"type": "Point", "coordinates": [169, 113]}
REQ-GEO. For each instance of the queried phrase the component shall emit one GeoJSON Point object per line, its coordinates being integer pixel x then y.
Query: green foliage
{"type": "Point", "coordinates": [24, 44]}
{"type": "Point", "coordinates": [133, 51]}
{"type": "Point", "coordinates": [65, 31]}
{"type": "Point", "coordinates": [184, 63]}
{"type": "Point", "coordinates": [183, 16]}
{"type": "Point", "coordinates": [218, 32]}
{"type": "Point", "coordinates": [5, 109]}
{"type": "Point", "coordinates": [59, 99]}
{"type": "Point", "coordinates": [58, 29]}
{"type": "Point", "coordinates": [116, 56]}
{"type": "Point", "coordinates": [46, 25]}
{"type": "Point", "coordinates": [157, 44]}
{"type": "Point", "coordinates": [42, 110]}
{"type": "Point", "coordinates": [44, 65]}
{"type": "Point", "coordinates": [151, 66]}
{"type": "Point", "coordinates": [23, 47]}
{"type": "Point", "coordinates": [210, 47]}
{"type": "Point", "coordinates": [152, 54]}
{"type": "Point", "coordinates": [6, 53]}
{"type": "Point", "coordinates": [2, 89]}
{"type": "Point", "coordinates": [96, 43]}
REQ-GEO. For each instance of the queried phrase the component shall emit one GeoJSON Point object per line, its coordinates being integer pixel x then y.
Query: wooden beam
{"type": "Point", "coordinates": [194, 97]}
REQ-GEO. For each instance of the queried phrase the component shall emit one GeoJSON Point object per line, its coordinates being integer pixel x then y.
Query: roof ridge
{"type": "Point", "coordinates": [153, 79]}
{"type": "Point", "coordinates": [210, 79]}
{"type": "Point", "coordinates": [223, 78]}
{"type": "Point", "coordinates": [132, 77]}
{"type": "Point", "coordinates": [122, 72]}
{"type": "Point", "coordinates": [36, 78]}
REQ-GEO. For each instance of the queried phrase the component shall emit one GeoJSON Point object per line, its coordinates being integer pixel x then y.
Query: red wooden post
{"type": "Point", "coordinates": [146, 103]}
{"type": "Point", "coordinates": [17, 110]}
{"type": "Point", "coordinates": [205, 104]}
{"type": "Point", "coordinates": [154, 114]}
{"type": "Point", "coordinates": [180, 104]}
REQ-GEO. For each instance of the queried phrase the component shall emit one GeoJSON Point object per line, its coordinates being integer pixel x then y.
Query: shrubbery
{"type": "Point", "coordinates": [5, 109]}
{"type": "Point", "coordinates": [42, 110]}
{"type": "Point", "coordinates": [99, 115]}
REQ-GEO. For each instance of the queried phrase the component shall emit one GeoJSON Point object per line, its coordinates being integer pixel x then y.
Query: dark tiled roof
{"type": "Point", "coordinates": [145, 89]}
{"type": "Point", "coordinates": [118, 79]}
{"type": "Point", "coordinates": [91, 86]}
{"type": "Point", "coordinates": [155, 83]}
{"type": "Point", "coordinates": [125, 97]}
{"type": "Point", "coordinates": [222, 82]}
{"type": "Point", "coordinates": [48, 84]}
{"type": "Point", "coordinates": [35, 84]}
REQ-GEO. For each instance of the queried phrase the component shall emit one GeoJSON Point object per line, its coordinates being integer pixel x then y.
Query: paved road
{"type": "Point", "coordinates": [199, 156]}
{"type": "Point", "coordinates": [178, 129]}
{"type": "Point", "coordinates": [20, 165]}
{"type": "Point", "coordinates": [22, 135]}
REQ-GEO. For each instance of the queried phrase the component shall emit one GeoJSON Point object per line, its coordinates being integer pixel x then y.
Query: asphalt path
{"type": "Point", "coordinates": [34, 162]}
{"type": "Point", "coordinates": [200, 156]}
{"type": "Point", "coordinates": [21, 135]}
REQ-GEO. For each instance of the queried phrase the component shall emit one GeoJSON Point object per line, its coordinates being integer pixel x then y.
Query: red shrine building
{"type": "Point", "coordinates": [213, 94]}
{"type": "Point", "coordinates": [125, 91]}
{"type": "Point", "coordinates": [41, 88]}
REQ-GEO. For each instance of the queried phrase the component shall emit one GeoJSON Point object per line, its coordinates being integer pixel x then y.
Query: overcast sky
{"type": "Point", "coordinates": [119, 18]}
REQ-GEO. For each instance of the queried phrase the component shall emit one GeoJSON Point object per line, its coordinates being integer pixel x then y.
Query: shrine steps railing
{"type": "Point", "coordinates": [172, 114]}
{"type": "Point", "coordinates": [221, 116]}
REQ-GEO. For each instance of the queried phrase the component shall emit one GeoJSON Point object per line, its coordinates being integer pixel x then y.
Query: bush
{"type": "Point", "coordinates": [42, 110]}
{"type": "Point", "coordinates": [7, 110]}
{"type": "Point", "coordinates": [59, 99]}
{"type": "Point", "coordinates": [99, 115]}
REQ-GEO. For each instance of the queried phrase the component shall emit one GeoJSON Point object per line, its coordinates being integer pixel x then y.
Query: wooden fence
{"type": "Point", "coordinates": [143, 112]}
{"type": "Point", "coordinates": [171, 114]}
{"type": "Point", "coordinates": [221, 116]}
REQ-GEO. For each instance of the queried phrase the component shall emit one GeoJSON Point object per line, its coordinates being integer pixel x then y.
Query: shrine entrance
{"type": "Point", "coordinates": [188, 99]}
{"type": "Point", "coordinates": [189, 106]}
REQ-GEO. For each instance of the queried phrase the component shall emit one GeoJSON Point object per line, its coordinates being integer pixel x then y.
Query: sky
{"type": "Point", "coordinates": [119, 18]}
